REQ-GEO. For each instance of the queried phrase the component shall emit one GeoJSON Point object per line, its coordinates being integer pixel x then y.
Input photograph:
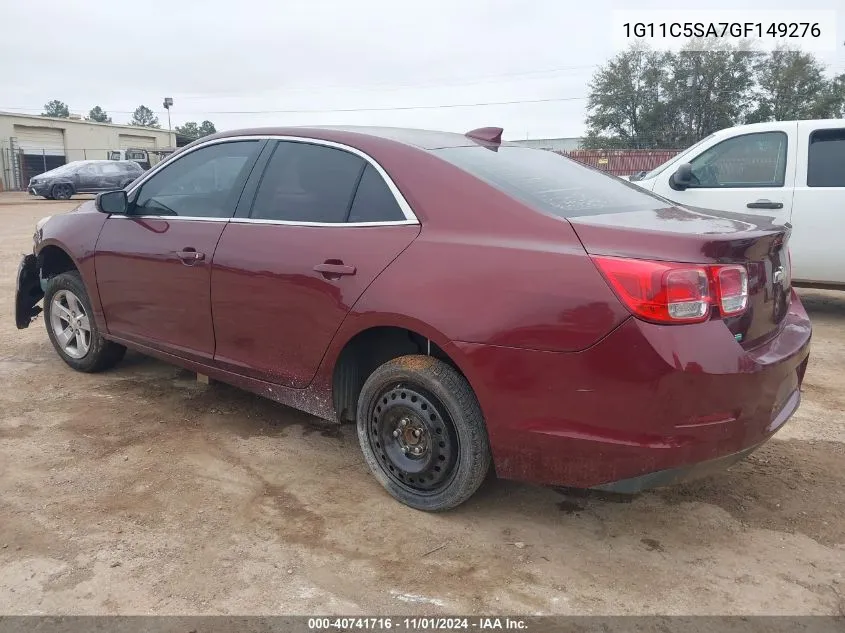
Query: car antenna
{"type": "Point", "coordinates": [487, 134]}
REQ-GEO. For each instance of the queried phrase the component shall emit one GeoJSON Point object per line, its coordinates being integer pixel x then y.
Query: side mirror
{"type": "Point", "coordinates": [112, 202]}
{"type": "Point", "coordinates": [682, 178]}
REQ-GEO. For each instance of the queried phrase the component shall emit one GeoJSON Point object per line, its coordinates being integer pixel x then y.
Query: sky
{"type": "Point", "coordinates": [247, 63]}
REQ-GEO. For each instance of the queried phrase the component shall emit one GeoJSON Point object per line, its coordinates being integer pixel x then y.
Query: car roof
{"type": "Point", "coordinates": [422, 139]}
{"type": "Point", "coordinates": [80, 163]}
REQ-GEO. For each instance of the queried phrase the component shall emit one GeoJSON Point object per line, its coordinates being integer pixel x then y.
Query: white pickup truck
{"type": "Point", "coordinates": [793, 171]}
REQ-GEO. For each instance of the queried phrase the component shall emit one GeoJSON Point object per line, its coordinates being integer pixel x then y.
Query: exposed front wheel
{"type": "Point", "coordinates": [71, 326]}
{"type": "Point", "coordinates": [62, 192]}
{"type": "Point", "coordinates": [422, 433]}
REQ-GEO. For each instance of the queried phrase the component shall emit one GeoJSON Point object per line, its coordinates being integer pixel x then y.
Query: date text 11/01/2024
{"type": "Point", "coordinates": [723, 29]}
{"type": "Point", "coordinates": [418, 624]}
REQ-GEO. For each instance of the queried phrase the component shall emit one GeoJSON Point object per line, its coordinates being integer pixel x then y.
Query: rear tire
{"type": "Point", "coordinates": [422, 433]}
{"type": "Point", "coordinates": [71, 327]}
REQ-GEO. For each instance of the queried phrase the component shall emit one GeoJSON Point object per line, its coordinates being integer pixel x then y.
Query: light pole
{"type": "Point", "coordinates": [168, 103]}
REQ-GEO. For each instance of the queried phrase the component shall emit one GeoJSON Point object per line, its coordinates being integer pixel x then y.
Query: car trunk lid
{"type": "Point", "coordinates": [684, 235]}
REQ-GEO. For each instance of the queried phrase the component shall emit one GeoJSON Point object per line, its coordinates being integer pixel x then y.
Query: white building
{"type": "Point", "coordinates": [31, 144]}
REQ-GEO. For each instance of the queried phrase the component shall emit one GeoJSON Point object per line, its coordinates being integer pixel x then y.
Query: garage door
{"type": "Point", "coordinates": [132, 140]}
{"type": "Point", "coordinates": [41, 149]}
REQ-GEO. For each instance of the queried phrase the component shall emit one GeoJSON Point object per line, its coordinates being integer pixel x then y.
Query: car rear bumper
{"type": "Point", "coordinates": [645, 406]}
{"type": "Point", "coordinates": [679, 474]}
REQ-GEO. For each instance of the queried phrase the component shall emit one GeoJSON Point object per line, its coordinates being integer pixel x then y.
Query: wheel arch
{"type": "Point", "coordinates": [369, 347]}
{"type": "Point", "coordinates": [54, 259]}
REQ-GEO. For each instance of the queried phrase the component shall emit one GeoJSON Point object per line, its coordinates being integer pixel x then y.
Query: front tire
{"type": "Point", "coordinates": [72, 329]}
{"type": "Point", "coordinates": [422, 433]}
{"type": "Point", "coordinates": [62, 192]}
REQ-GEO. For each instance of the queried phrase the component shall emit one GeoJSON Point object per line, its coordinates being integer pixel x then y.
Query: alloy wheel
{"type": "Point", "coordinates": [70, 324]}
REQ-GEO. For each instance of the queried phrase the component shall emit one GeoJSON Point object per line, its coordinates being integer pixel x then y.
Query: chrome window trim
{"type": "Point", "coordinates": [195, 218]}
{"type": "Point", "coordinates": [410, 216]}
{"type": "Point", "coordinates": [324, 224]}
{"type": "Point", "coordinates": [252, 221]}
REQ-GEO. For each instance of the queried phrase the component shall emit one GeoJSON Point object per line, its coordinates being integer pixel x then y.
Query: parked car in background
{"type": "Point", "coordinates": [789, 171]}
{"type": "Point", "coordinates": [84, 176]}
{"type": "Point", "coordinates": [462, 300]}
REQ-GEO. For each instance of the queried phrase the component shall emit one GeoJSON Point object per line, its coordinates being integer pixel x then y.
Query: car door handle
{"type": "Point", "coordinates": [190, 255]}
{"type": "Point", "coordinates": [764, 204]}
{"type": "Point", "coordinates": [334, 268]}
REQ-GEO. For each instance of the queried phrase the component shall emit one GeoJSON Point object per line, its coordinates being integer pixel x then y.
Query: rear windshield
{"type": "Point", "coordinates": [550, 182]}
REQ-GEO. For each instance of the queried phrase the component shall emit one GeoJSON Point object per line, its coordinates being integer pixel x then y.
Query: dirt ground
{"type": "Point", "coordinates": [141, 491]}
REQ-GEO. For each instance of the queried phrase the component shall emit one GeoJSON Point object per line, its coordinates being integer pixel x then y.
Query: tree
{"type": "Point", "coordinates": [792, 85]}
{"type": "Point", "coordinates": [625, 101]}
{"type": "Point", "coordinates": [836, 96]}
{"type": "Point", "coordinates": [189, 130]}
{"type": "Point", "coordinates": [193, 131]}
{"type": "Point", "coordinates": [56, 108]}
{"type": "Point", "coordinates": [144, 117]}
{"type": "Point", "coordinates": [99, 115]}
{"type": "Point", "coordinates": [707, 89]}
{"type": "Point", "coordinates": [206, 128]}
{"type": "Point", "coordinates": [645, 99]}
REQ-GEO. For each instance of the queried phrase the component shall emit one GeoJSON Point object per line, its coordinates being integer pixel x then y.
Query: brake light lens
{"type": "Point", "coordinates": [667, 292]}
{"type": "Point", "coordinates": [731, 289]}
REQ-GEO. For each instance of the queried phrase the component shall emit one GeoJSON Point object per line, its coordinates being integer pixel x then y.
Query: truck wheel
{"type": "Point", "coordinates": [422, 432]}
{"type": "Point", "coordinates": [62, 192]}
{"type": "Point", "coordinates": [71, 326]}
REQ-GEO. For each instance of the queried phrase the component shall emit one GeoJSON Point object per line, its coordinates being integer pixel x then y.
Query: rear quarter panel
{"type": "Point", "coordinates": [485, 268]}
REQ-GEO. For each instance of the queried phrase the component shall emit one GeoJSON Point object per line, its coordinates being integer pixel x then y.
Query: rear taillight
{"type": "Point", "coordinates": [666, 292]}
{"type": "Point", "coordinates": [731, 288]}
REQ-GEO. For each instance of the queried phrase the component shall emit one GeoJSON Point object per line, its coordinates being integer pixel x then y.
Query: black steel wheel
{"type": "Point", "coordinates": [413, 438]}
{"type": "Point", "coordinates": [62, 192]}
{"type": "Point", "coordinates": [422, 432]}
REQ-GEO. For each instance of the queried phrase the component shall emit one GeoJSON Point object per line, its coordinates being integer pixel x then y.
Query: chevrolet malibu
{"type": "Point", "coordinates": [467, 303]}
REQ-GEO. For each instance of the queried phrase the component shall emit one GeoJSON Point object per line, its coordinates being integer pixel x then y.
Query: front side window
{"type": "Point", "coordinates": [750, 160]}
{"type": "Point", "coordinates": [306, 182]}
{"type": "Point", "coordinates": [826, 161]}
{"type": "Point", "coordinates": [204, 183]}
{"type": "Point", "coordinates": [90, 170]}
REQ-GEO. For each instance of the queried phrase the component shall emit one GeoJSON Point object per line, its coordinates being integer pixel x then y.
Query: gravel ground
{"type": "Point", "coordinates": [141, 491]}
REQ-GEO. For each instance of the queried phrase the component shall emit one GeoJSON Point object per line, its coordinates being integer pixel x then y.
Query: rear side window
{"type": "Point", "coordinates": [826, 163]}
{"type": "Point", "coordinates": [374, 202]}
{"type": "Point", "coordinates": [107, 169]}
{"type": "Point", "coordinates": [550, 182]}
{"type": "Point", "coordinates": [750, 160]}
{"type": "Point", "coordinates": [304, 182]}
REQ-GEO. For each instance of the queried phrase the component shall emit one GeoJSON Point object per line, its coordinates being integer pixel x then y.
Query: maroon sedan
{"type": "Point", "coordinates": [463, 300]}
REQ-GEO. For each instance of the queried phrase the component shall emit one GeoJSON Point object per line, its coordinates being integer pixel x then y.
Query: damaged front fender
{"type": "Point", "coordinates": [28, 292]}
